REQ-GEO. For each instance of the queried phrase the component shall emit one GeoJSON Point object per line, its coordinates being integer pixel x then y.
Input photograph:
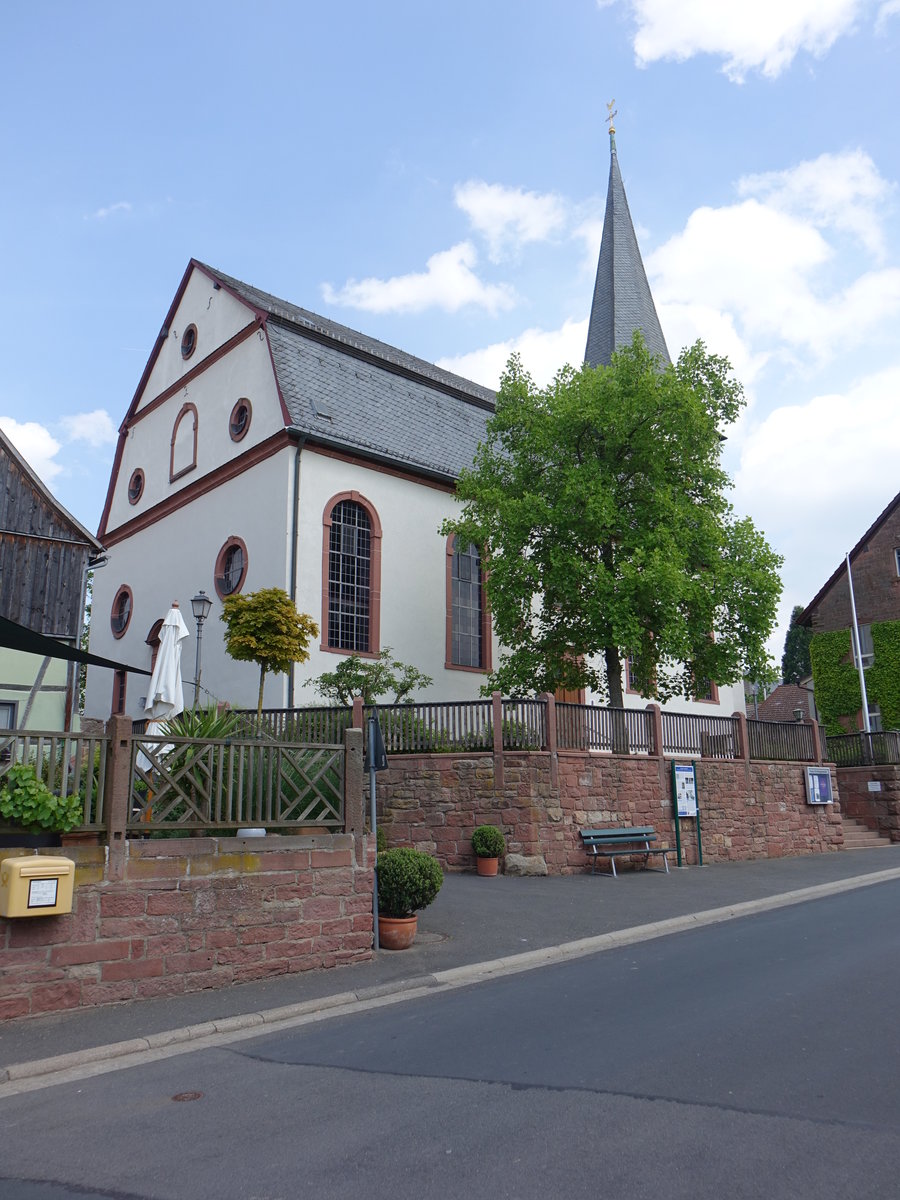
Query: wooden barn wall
{"type": "Point", "coordinates": [42, 559]}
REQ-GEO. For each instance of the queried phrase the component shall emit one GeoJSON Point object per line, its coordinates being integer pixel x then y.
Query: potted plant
{"type": "Point", "coordinates": [408, 880]}
{"type": "Point", "coordinates": [488, 843]}
{"type": "Point", "coordinates": [28, 804]}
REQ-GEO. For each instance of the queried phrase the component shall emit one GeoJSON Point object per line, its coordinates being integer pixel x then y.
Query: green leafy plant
{"type": "Point", "coordinates": [407, 881]}
{"type": "Point", "coordinates": [835, 680]}
{"type": "Point", "coordinates": [26, 801]}
{"type": "Point", "coordinates": [488, 841]}
{"type": "Point", "coordinates": [370, 678]}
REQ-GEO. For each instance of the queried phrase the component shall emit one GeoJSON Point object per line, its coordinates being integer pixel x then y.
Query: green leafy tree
{"type": "Point", "coordinates": [600, 504]}
{"type": "Point", "coordinates": [370, 678]}
{"type": "Point", "coordinates": [264, 627]}
{"type": "Point", "coordinates": [795, 662]}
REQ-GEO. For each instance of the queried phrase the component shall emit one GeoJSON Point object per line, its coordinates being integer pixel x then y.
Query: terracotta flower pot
{"type": "Point", "coordinates": [487, 866]}
{"type": "Point", "coordinates": [397, 933]}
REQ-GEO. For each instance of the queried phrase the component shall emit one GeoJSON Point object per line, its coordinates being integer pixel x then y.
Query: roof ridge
{"type": "Point", "coordinates": [363, 344]}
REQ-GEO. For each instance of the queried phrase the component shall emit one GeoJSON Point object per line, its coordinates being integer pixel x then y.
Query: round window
{"type": "Point", "coordinates": [189, 341]}
{"type": "Point", "coordinates": [231, 567]}
{"type": "Point", "coordinates": [122, 608]}
{"type": "Point", "coordinates": [239, 422]}
{"type": "Point", "coordinates": [135, 486]}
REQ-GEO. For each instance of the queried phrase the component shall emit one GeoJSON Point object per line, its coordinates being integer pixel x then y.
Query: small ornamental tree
{"type": "Point", "coordinates": [600, 503]}
{"type": "Point", "coordinates": [370, 678]}
{"type": "Point", "coordinates": [264, 627]}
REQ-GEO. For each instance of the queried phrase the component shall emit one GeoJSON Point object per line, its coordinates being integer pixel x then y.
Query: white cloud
{"type": "Point", "coordinates": [542, 351]}
{"type": "Point", "coordinates": [683, 324]}
{"type": "Point", "coordinates": [449, 282]}
{"type": "Point", "coordinates": [763, 266]}
{"type": "Point", "coordinates": [838, 191]}
{"type": "Point", "coordinates": [36, 444]}
{"type": "Point", "coordinates": [102, 213]}
{"type": "Point", "coordinates": [96, 428]}
{"type": "Point", "coordinates": [509, 217]}
{"type": "Point", "coordinates": [765, 35]}
{"type": "Point", "coordinates": [890, 8]}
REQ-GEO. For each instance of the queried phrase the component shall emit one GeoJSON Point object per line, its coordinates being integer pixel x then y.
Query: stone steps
{"type": "Point", "coordinates": [858, 836]}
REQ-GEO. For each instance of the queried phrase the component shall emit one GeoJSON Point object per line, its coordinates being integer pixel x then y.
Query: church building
{"type": "Point", "coordinates": [266, 446]}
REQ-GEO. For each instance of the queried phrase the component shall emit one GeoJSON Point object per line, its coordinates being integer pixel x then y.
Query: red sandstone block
{"type": "Point", "coordinates": [338, 926]}
{"type": "Point", "coordinates": [166, 903]}
{"type": "Point", "coordinates": [221, 977]}
{"type": "Point", "coordinates": [330, 858]}
{"type": "Point", "coordinates": [55, 996]}
{"type": "Point", "coordinates": [14, 1006]}
{"type": "Point", "coordinates": [326, 945]}
{"type": "Point", "coordinates": [105, 993]}
{"type": "Point", "coordinates": [231, 955]}
{"type": "Point", "coordinates": [166, 985]}
{"type": "Point", "coordinates": [295, 891]}
{"type": "Point", "coordinates": [322, 908]}
{"type": "Point", "coordinates": [261, 933]}
{"type": "Point", "coordinates": [163, 944]}
{"type": "Point", "coordinates": [286, 860]}
{"type": "Point", "coordinates": [256, 916]}
{"type": "Point", "coordinates": [260, 970]}
{"type": "Point", "coordinates": [116, 927]}
{"type": "Point", "coordinates": [300, 929]}
{"type": "Point", "coordinates": [196, 960]}
{"type": "Point", "coordinates": [123, 904]}
{"type": "Point", "coordinates": [358, 941]}
{"type": "Point", "coordinates": [49, 931]}
{"type": "Point", "coordinates": [90, 952]}
{"type": "Point", "coordinates": [362, 921]}
{"type": "Point", "coordinates": [217, 938]}
{"type": "Point", "coordinates": [146, 968]}
{"type": "Point", "coordinates": [139, 947]}
{"type": "Point", "coordinates": [27, 956]}
{"type": "Point", "coordinates": [333, 883]}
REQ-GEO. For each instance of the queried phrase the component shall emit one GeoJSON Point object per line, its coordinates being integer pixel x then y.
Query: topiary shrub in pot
{"type": "Point", "coordinates": [408, 880]}
{"type": "Point", "coordinates": [488, 843]}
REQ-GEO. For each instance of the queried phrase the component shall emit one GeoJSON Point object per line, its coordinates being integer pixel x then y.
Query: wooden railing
{"type": "Point", "coordinates": [434, 728]}
{"type": "Point", "coordinates": [311, 725]}
{"type": "Point", "coordinates": [69, 764]}
{"type": "Point", "coordinates": [863, 749]}
{"type": "Point", "coordinates": [524, 724]}
{"type": "Point", "coordinates": [782, 740]}
{"type": "Point", "coordinates": [701, 737]}
{"type": "Point", "coordinates": [615, 730]}
{"type": "Point", "coordinates": [217, 784]}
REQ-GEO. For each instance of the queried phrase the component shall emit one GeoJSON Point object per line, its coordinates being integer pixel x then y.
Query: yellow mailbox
{"type": "Point", "coordinates": [39, 886]}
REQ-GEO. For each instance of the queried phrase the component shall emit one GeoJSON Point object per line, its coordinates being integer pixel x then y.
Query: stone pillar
{"type": "Point", "coordinates": [550, 709]}
{"type": "Point", "coordinates": [741, 740]}
{"type": "Point", "coordinates": [357, 712]}
{"type": "Point", "coordinates": [656, 744]}
{"type": "Point", "coordinates": [117, 791]}
{"type": "Point", "coordinates": [497, 726]}
{"type": "Point", "coordinates": [354, 805]}
{"type": "Point", "coordinates": [816, 740]}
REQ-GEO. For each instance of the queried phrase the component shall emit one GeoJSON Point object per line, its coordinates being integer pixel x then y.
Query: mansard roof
{"type": "Point", "coordinates": [344, 389]}
{"type": "Point", "coordinates": [622, 300]}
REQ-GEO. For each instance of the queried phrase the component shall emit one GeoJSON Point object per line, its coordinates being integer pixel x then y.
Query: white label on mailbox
{"type": "Point", "coordinates": [42, 893]}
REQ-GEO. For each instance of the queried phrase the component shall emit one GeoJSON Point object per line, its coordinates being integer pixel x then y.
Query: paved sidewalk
{"type": "Point", "coordinates": [473, 924]}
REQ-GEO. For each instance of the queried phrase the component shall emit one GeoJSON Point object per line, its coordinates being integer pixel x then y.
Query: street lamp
{"type": "Point", "coordinates": [200, 606]}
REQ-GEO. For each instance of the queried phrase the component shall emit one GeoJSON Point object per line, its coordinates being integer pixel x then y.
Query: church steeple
{"type": "Point", "coordinates": [622, 300]}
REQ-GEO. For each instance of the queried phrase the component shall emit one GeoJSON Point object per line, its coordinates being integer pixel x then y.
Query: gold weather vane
{"type": "Point", "coordinates": [611, 112]}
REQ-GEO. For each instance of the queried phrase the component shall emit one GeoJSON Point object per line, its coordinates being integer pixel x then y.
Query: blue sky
{"type": "Point", "coordinates": [434, 175]}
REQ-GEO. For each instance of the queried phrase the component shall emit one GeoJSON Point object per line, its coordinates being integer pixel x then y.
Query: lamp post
{"type": "Point", "coordinates": [200, 606]}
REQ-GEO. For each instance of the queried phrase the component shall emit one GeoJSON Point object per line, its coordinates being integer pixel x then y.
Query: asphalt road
{"type": "Point", "coordinates": [756, 1058]}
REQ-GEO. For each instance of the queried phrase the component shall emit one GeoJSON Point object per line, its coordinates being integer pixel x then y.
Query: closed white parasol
{"type": "Point", "coordinates": [165, 697]}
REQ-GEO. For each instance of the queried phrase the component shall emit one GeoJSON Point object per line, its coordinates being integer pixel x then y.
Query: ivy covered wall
{"type": "Point", "coordinates": [836, 681]}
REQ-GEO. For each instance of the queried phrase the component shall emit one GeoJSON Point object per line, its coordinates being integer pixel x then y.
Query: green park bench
{"type": "Point", "coordinates": [634, 841]}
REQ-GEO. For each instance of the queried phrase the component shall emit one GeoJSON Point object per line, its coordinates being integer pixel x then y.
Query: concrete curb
{"type": "Point", "coordinates": [95, 1060]}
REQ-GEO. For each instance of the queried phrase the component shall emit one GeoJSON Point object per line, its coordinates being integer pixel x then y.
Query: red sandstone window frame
{"type": "Point", "coordinates": [375, 534]}
{"type": "Point", "coordinates": [185, 410]}
{"type": "Point", "coordinates": [222, 560]}
{"type": "Point", "coordinates": [136, 485]}
{"type": "Point", "coordinates": [238, 433]}
{"type": "Point", "coordinates": [188, 342]}
{"type": "Point", "coordinates": [485, 617]}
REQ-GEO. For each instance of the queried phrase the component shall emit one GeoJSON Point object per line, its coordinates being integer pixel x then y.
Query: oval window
{"type": "Point", "coordinates": [189, 341]}
{"type": "Point", "coordinates": [231, 567]}
{"type": "Point", "coordinates": [239, 422]}
{"type": "Point", "coordinates": [135, 486]}
{"type": "Point", "coordinates": [122, 608]}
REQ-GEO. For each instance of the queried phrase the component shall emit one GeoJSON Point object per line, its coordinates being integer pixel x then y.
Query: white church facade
{"type": "Point", "coordinates": [266, 446]}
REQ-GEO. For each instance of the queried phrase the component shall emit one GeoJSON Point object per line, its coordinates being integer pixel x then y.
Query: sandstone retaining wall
{"type": "Point", "coordinates": [878, 809]}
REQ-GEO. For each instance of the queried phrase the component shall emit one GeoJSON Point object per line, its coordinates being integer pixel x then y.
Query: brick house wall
{"type": "Point", "coordinates": [189, 914]}
{"type": "Point", "coordinates": [876, 584]}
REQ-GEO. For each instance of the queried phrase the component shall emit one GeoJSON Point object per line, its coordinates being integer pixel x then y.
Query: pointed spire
{"type": "Point", "coordinates": [622, 300]}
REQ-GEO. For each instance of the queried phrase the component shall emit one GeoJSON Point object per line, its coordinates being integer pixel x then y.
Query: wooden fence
{"type": "Point", "coordinates": [864, 749]}
{"type": "Point", "coordinates": [69, 764]}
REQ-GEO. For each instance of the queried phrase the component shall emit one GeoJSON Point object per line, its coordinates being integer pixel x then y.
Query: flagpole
{"type": "Point", "coordinates": [857, 650]}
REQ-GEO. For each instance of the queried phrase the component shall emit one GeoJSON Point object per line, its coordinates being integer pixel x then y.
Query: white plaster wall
{"type": "Point", "coordinates": [18, 673]}
{"type": "Point", "coordinates": [413, 572]}
{"type": "Point", "coordinates": [176, 557]}
{"type": "Point", "coordinates": [218, 317]}
{"type": "Point", "coordinates": [246, 372]}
